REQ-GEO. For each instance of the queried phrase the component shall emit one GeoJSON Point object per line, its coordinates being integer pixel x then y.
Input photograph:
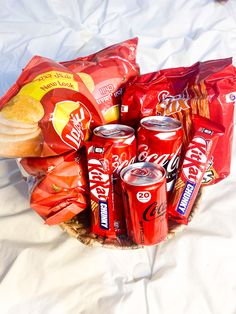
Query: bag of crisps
{"type": "Point", "coordinates": [58, 185]}
{"type": "Point", "coordinates": [205, 88]}
{"type": "Point", "coordinates": [105, 74]}
{"type": "Point", "coordinates": [48, 111]}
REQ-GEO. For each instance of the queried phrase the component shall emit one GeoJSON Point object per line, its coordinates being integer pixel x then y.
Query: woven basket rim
{"type": "Point", "coordinates": [75, 228]}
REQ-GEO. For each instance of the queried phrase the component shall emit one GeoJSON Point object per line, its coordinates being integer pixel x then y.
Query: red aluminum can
{"type": "Point", "coordinates": [113, 147]}
{"type": "Point", "coordinates": [160, 141]}
{"type": "Point", "coordinates": [144, 193]}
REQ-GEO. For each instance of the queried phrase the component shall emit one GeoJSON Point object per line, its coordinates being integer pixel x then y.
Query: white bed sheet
{"type": "Point", "coordinates": [42, 270]}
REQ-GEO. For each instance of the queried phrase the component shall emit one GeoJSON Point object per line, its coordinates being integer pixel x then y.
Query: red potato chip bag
{"type": "Point", "coordinates": [105, 73]}
{"type": "Point", "coordinates": [48, 111]}
{"type": "Point", "coordinates": [205, 88]}
{"type": "Point", "coordinates": [58, 185]}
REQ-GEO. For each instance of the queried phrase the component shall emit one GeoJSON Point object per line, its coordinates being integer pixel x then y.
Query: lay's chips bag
{"type": "Point", "coordinates": [47, 112]}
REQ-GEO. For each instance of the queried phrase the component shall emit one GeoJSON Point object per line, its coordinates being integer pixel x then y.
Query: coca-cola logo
{"type": "Point", "coordinates": [99, 179]}
{"type": "Point", "coordinates": [195, 159]}
{"type": "Point", "coordinates": [154, 211]}
{"type": "Point", "coordinates": [169, 161]}
{"type": "Point", "coordinates": [121, 161]}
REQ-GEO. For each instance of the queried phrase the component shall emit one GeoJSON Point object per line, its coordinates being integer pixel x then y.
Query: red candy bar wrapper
{"type": "Point", "coordinates": [100, 182]}
{"type": "Point", "coordinates": [195, 163]}
{"type": "Point", "coordinates": [58, 185]}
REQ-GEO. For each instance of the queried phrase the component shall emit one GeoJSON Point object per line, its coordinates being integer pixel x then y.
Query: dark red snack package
{"type": "Point", "coordinates": [205, 88]}
{"type": "Point", "coordinates": [196, 159]}
{"type": "Point", "coordinates": [100, 183]}
{"type": "Point", "coordinates": [105, 74]}
{"type": "Point", "coordinates": [59, 186]}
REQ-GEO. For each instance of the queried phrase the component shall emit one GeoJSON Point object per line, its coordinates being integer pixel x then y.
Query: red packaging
{"type": "Point", "coordinates": [105, 74]}
{"type": "Point", "coordinates": [48, 111]}
{"type": "Point", "coordinates": [40, 167]}
{"type": "Point", "coordinates": [160, 141]}
{"type": "Point", "coordinates": [144, 192]}
{"type": "Point", "coordinates": [58, 185]}
{"type": "Point", "coordinates": [112, 148]}
{"type": "Point", "coordinates": [205, 88]}
{"type": "Point", "coordinates": [198, 154]}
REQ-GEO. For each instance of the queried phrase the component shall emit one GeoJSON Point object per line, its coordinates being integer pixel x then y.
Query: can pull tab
{"type": "Point", "coordinates": [158, 123]}
{"type": "Point", "coordinates": [110, 132]}
{"type": "Point", "coordinates": [140, 172]}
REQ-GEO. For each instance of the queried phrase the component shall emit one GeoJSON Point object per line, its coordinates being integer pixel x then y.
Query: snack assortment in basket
{"type": "Point", "coordinates": [105, 180]}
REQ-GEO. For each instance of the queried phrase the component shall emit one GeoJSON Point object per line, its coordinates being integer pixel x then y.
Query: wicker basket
{"type": "Point", "coordinates": [78, 227]}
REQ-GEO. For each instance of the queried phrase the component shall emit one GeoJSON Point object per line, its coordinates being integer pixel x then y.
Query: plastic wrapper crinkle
{"type": "Point", "coordinates": [205, 88]}
{"type": "Point", "coordinates": [105, 74]}
{"type": "Point", "coordinates": [58, 186]}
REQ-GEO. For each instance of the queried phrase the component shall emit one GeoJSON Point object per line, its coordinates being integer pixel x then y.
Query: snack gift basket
{"type": "Point", "coordinates": [47, 116]}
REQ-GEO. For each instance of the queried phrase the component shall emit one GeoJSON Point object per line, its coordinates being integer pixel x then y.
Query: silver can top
{"type": "Point", "coordinates": [142, 174]}
{"type": "Point", "coordinates": [115, 131]}
{"type": "Point", "coordinates": [161, 123]}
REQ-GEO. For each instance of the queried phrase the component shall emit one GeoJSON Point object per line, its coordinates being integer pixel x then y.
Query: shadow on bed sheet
{"type": "Point", "coordinates": [11, 175]}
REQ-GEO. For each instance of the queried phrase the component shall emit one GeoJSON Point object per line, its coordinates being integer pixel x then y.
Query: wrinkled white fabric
{"type": "Point", "coordinates": [44, 271]}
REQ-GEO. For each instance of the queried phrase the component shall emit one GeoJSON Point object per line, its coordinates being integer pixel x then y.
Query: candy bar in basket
{"type": "Point", "coordinates": [198, 154]}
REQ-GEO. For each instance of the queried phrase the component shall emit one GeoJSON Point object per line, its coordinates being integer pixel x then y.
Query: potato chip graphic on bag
{"type": "Point", "coordinates": [19, 129]}
{"type": "Point", "coordinates": [47, 112]}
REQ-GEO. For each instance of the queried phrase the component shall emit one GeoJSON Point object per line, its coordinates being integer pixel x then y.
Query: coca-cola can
{"type": "Point", "coordinates": [144, 194]}
{"type": "Point", "coordinates": [160, 141]}
{"type": "Point", "coordinates": [112, 148]}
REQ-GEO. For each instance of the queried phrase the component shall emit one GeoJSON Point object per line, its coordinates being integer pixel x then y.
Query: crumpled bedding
{"type": "Point", "coordinates": [42, 269]}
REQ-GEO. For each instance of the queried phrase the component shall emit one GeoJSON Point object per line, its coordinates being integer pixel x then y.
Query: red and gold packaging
{"type": "Point", "coordinates": [105, 74]}
{"type": "Point", "coordinates": [160, 141]}
{"type": "Point", "coordinates": [205, 88]}
{"type": "Point", "coordinates": [144, 193]}
{"type": "Point", "coordinates": [197, 157]}
{"type": "Point", "coordinates": [112, 148]}
{"type": "Point", "coordinates": [58, 185]}
{"type": "Point", "coordinates": [48, 111]}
